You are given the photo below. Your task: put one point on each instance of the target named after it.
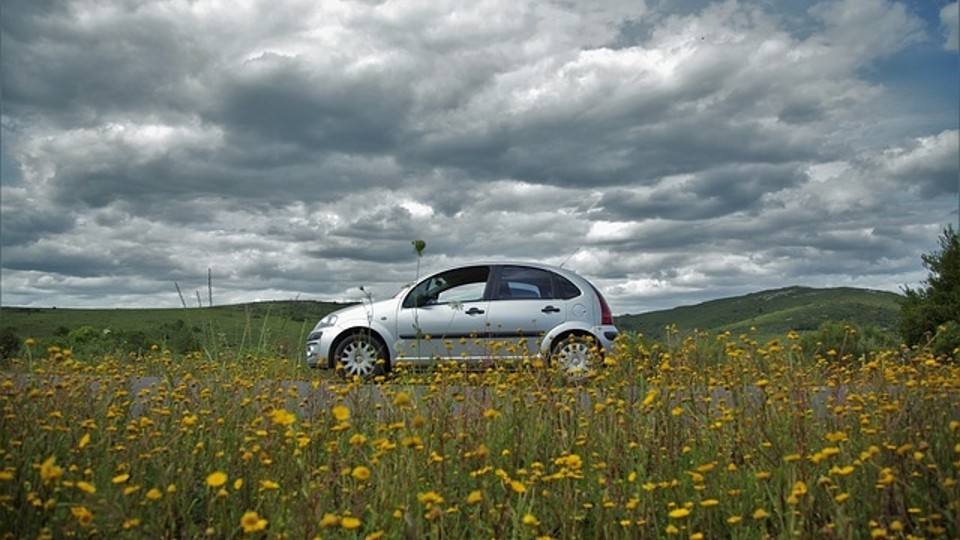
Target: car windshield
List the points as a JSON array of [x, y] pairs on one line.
[[461, 285]]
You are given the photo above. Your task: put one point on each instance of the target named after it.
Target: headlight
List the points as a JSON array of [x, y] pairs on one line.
[[329, 320]]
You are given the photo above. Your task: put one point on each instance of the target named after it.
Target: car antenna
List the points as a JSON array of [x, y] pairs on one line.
[[571, 255]]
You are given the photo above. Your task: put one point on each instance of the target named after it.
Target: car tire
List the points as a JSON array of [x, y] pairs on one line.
[[575, 353], [360, 354]]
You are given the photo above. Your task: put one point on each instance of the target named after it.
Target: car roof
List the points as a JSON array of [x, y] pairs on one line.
[[543, 266]]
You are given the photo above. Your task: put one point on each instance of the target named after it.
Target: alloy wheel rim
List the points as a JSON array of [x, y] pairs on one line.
[[359, 358], [575, 357]]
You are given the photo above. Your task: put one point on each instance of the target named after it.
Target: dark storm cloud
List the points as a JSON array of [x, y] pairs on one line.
[[278, 99], [73, 67], [709, 194]]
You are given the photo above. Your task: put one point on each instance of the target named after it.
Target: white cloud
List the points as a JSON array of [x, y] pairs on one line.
[[950, 21]]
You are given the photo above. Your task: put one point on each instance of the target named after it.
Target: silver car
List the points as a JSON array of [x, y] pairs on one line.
[[476, 313]]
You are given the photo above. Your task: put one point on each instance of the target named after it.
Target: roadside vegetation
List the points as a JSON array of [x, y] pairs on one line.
[[699, 437]]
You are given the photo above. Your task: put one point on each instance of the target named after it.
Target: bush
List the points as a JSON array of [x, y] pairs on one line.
[[9, 342], [847, 340], [937, 303], [946, 341]]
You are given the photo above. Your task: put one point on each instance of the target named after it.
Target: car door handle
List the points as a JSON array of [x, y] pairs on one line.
[[475, 311], [550, 309]]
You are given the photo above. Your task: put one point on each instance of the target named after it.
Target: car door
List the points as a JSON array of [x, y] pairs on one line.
[[444, 316], [525, 302]]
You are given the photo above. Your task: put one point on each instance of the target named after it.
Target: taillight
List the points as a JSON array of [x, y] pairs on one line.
[[606, 316]]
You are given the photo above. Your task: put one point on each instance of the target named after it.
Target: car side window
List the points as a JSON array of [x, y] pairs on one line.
[[565, 289], [518, 282], [460, 285]]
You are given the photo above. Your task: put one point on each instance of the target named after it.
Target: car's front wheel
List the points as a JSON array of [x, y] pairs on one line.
[[575, 353], [360, 354]]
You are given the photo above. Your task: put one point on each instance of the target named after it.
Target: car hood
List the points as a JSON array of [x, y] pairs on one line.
[[366, 311]]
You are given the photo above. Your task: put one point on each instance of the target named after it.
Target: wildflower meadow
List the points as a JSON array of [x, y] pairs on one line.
[[706, 436]]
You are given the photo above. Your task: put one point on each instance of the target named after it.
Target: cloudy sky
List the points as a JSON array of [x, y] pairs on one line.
[[673, 151]]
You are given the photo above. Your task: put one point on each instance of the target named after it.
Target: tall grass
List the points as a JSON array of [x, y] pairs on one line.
[[700, 437]]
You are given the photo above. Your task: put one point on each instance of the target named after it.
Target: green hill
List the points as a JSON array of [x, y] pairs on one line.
[[774, 312], [279, 326]]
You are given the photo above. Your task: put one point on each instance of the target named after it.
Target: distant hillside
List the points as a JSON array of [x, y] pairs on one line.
[[774, 312], [279, 324]]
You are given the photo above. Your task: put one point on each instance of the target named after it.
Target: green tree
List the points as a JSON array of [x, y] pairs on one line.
[[935, 306]]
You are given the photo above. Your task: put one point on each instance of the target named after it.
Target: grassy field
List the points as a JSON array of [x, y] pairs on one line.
[[710, 436], [278, 327]]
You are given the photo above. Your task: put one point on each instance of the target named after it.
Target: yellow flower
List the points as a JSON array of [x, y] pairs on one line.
[[217, 479], [475, 497], [709, 503], [760, 513], [283, 417], [237, 484], [84, 516], [430, 498], [799, 489], [531, 520], [85, 440], [154, 494], [517, 486], [49, 471], [842, 471], [86, 487], [341, 413], [350, 523], [679, 513], [268, 485], [572, 461], [130, 523], [120, 478], [376, 535], [357, 439], [650, 397], [361, 473], [837, 436], [733, 520], [491, 414], [252, 522], [329, 520], [402, 399]]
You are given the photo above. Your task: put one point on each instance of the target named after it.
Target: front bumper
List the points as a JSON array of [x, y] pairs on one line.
[[314, 355]]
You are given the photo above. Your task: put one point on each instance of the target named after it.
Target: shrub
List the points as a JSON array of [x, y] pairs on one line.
[[936, 303], [9, 342], [946, 341], [843, 339]]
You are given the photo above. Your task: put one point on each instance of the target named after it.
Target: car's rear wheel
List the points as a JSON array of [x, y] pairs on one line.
[[360, 354], [575, 353]]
